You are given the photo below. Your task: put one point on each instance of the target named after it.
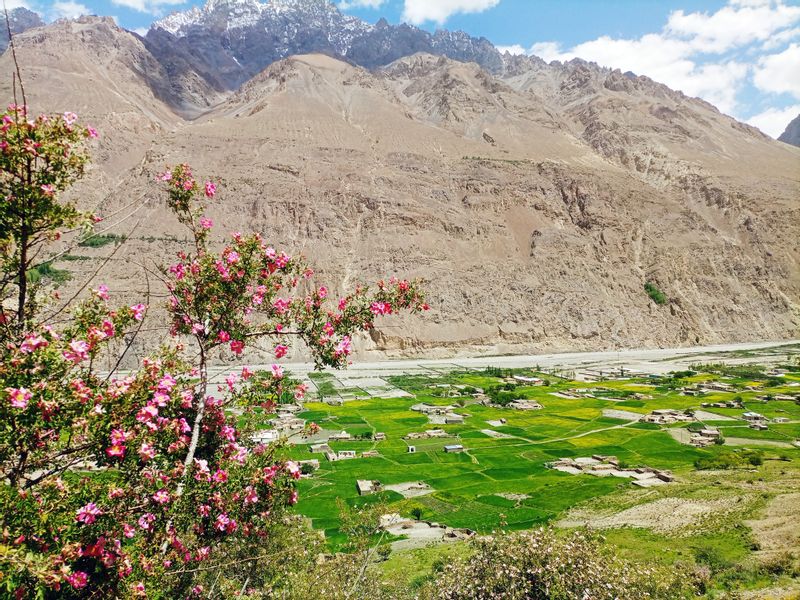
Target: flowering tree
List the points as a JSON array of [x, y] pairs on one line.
[[131, 485]]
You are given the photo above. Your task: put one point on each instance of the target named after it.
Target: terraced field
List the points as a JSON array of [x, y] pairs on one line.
[[472, 489]]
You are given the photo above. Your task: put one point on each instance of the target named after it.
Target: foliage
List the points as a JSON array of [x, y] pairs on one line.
[[47, 270], [656, 295], [101, 239], [540, 564], [141, 485], [39, 158], [730, 460]]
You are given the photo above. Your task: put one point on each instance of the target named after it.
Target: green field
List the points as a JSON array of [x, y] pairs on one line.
[[466, 485]]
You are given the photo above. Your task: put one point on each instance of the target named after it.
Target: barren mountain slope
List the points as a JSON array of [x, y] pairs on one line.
[[531, 234]]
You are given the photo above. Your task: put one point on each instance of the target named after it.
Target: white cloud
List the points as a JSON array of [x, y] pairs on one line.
[[153, 7], [12, 4], [348, 4], [438, 11], [68, 9], [142, 31], [732, 26], [780, 72], [515, 49], [705, 55], [773, 121]]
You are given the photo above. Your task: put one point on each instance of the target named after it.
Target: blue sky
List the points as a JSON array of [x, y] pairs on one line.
[[743, 56]]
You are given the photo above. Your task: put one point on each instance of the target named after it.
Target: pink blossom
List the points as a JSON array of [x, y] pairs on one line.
[[78, 579], [116, 451], [147, 413], [167, 382], [48, 189], [222, 522], [293, 469], [32, 343], [161, 398], [211, 189], [147, 451], [128, 530], [300, 391], [380, 308], [91, 132], [119, 436], [223, 336], [19, 397], [102, 292], [78, 351], [108, 328], [277, 371], [204, 510], [280, 305], [250, 495], [322, 292], [198, 328], [139, 589], [206, 223], [232, 257], [247, 373], [281, 350], [232, 380], [88, 514], [342, 303], [146, 521], [138, 311], [221, 476], [228, 432], [165, 176], [237, 346], [344, 347], [161, 496], [293, 498]]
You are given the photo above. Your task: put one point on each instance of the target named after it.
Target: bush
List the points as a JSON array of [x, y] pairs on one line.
[[656, 295], [541, 564]]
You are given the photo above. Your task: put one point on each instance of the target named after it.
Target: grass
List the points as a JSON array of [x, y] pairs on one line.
[[102, 239], [48, 271]]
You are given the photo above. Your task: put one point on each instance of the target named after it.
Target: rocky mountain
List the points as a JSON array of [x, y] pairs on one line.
[[791, 134], [229, 41], [536, 200], [19, 19]]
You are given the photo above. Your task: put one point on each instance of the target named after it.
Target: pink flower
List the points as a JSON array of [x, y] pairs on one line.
[[223, 522], [232, 257], [342, 303], [146, 521], [77, 579], [32, 343], [147, 413], [198, 328], [277, 371], [139, 589], [380, 308], [211, 189], [138, 311], [167, 382], [108, 328], [161, 496], [323, 292], [88, 514], [293, 469], [247, 373], [102, 292], [232, 380], [223, 336], [70, 118], [300, 391], [147, 451], [237, 346], [204, 510], [206, 223], [165, 176], [280, 305], [91, 132], [78, 351], [281, 350], [344, 347], [293, 498], [48, 190], [221, 476], [116, 451], [19, 397], [228, 432], [250, 495], [128, 530], [119, 436]]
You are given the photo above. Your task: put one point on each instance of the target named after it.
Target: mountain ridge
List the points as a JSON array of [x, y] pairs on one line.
[[537, 203]]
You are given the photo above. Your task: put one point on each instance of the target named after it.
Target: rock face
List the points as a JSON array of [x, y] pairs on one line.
[[229, 41], [20, 19], [792, 133], [536, 200]]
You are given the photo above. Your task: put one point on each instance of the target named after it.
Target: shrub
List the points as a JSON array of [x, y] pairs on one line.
[[656, 295], [541, 564], [101, 239]]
